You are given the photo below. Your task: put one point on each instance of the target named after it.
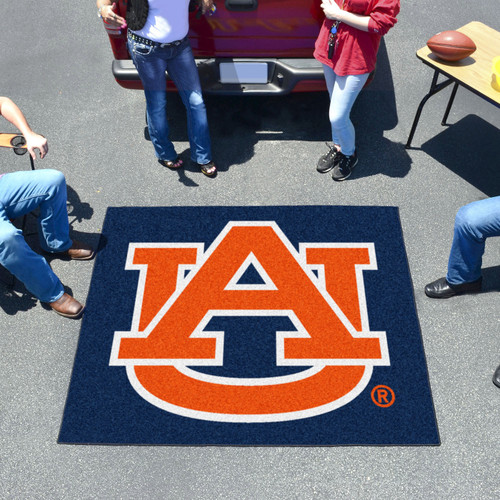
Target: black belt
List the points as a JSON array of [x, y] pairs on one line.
[[147, 41]]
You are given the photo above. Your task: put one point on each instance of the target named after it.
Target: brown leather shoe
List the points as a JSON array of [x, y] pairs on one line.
[[67, 306], [79, 251]]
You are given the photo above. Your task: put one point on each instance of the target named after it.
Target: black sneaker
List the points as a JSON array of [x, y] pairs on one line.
[[343, 169], [328, 161]]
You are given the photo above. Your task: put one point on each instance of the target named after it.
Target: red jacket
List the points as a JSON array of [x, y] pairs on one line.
[[356, 50]]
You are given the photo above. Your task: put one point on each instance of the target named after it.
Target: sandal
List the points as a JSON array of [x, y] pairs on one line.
[[172, 165], [209, 169]]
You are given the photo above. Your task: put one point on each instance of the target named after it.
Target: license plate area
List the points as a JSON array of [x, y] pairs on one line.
[[243, 72]]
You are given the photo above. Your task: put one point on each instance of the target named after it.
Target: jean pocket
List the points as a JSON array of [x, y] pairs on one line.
[[142, 49]]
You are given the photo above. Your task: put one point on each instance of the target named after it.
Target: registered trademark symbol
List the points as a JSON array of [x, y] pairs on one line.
[[383, 396]]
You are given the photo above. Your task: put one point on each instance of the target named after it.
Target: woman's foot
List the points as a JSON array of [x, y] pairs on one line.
[[172, 164], [209, 169], [328, 160], [343, 169]]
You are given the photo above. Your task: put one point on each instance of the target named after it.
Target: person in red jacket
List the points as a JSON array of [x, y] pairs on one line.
[[347, 47]]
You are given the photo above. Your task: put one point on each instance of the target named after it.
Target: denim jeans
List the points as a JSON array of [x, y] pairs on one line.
[[20, 193], [151, 63], [343, 92], [473, 224]]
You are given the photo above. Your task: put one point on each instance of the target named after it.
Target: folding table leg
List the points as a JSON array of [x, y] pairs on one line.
[[450, 104], [435, 88]]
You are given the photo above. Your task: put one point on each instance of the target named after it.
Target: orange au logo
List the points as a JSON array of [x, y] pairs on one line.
[[319, 288]]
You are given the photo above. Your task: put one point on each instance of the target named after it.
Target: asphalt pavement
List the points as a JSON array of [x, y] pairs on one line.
[[55, 63]]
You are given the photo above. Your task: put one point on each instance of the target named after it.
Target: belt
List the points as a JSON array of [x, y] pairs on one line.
[[147, 41]]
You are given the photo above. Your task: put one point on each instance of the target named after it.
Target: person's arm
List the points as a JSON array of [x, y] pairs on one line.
[[334, 12], [14, 115], [108, 14], [206, 5], [381, 19]]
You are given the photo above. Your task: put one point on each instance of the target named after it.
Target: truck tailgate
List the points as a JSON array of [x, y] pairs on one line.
[[245, 47], [258, 28]]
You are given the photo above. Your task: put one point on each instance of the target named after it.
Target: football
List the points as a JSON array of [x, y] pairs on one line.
[[451, 45]]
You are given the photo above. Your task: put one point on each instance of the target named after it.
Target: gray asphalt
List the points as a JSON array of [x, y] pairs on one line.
[[55, 63]]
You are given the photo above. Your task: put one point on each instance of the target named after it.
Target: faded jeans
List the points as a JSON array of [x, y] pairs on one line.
[[473, 224], [343, 92], [21, 193]]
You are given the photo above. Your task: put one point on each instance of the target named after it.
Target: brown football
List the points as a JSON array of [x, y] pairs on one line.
[[451, 45]]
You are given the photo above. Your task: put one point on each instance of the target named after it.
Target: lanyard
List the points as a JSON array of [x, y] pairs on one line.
[[332, 42]]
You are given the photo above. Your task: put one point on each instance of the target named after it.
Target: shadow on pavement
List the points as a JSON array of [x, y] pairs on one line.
[[14, 300], [78, 210], [373, 113], [469, 148], [238, 123], [491, 279]]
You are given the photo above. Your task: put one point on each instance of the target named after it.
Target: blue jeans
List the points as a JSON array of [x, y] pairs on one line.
[[343, 92], [151, 63], [20, 193], [473, 224]]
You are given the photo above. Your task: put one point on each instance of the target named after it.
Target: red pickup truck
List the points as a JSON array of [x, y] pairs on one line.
[[247, 47]]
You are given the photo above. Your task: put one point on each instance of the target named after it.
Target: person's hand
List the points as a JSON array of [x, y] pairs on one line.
[[36, 141], [110, 17], [332, 10], [206, 5]]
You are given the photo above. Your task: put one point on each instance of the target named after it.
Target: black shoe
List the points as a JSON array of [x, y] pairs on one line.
[[441, 289], [328, 161], [344, 167], [496, 377]]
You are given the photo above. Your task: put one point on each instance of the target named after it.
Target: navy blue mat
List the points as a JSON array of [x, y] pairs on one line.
[[251, 326]]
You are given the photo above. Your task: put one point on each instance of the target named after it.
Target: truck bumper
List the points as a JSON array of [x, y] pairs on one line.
[[283, 76]]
